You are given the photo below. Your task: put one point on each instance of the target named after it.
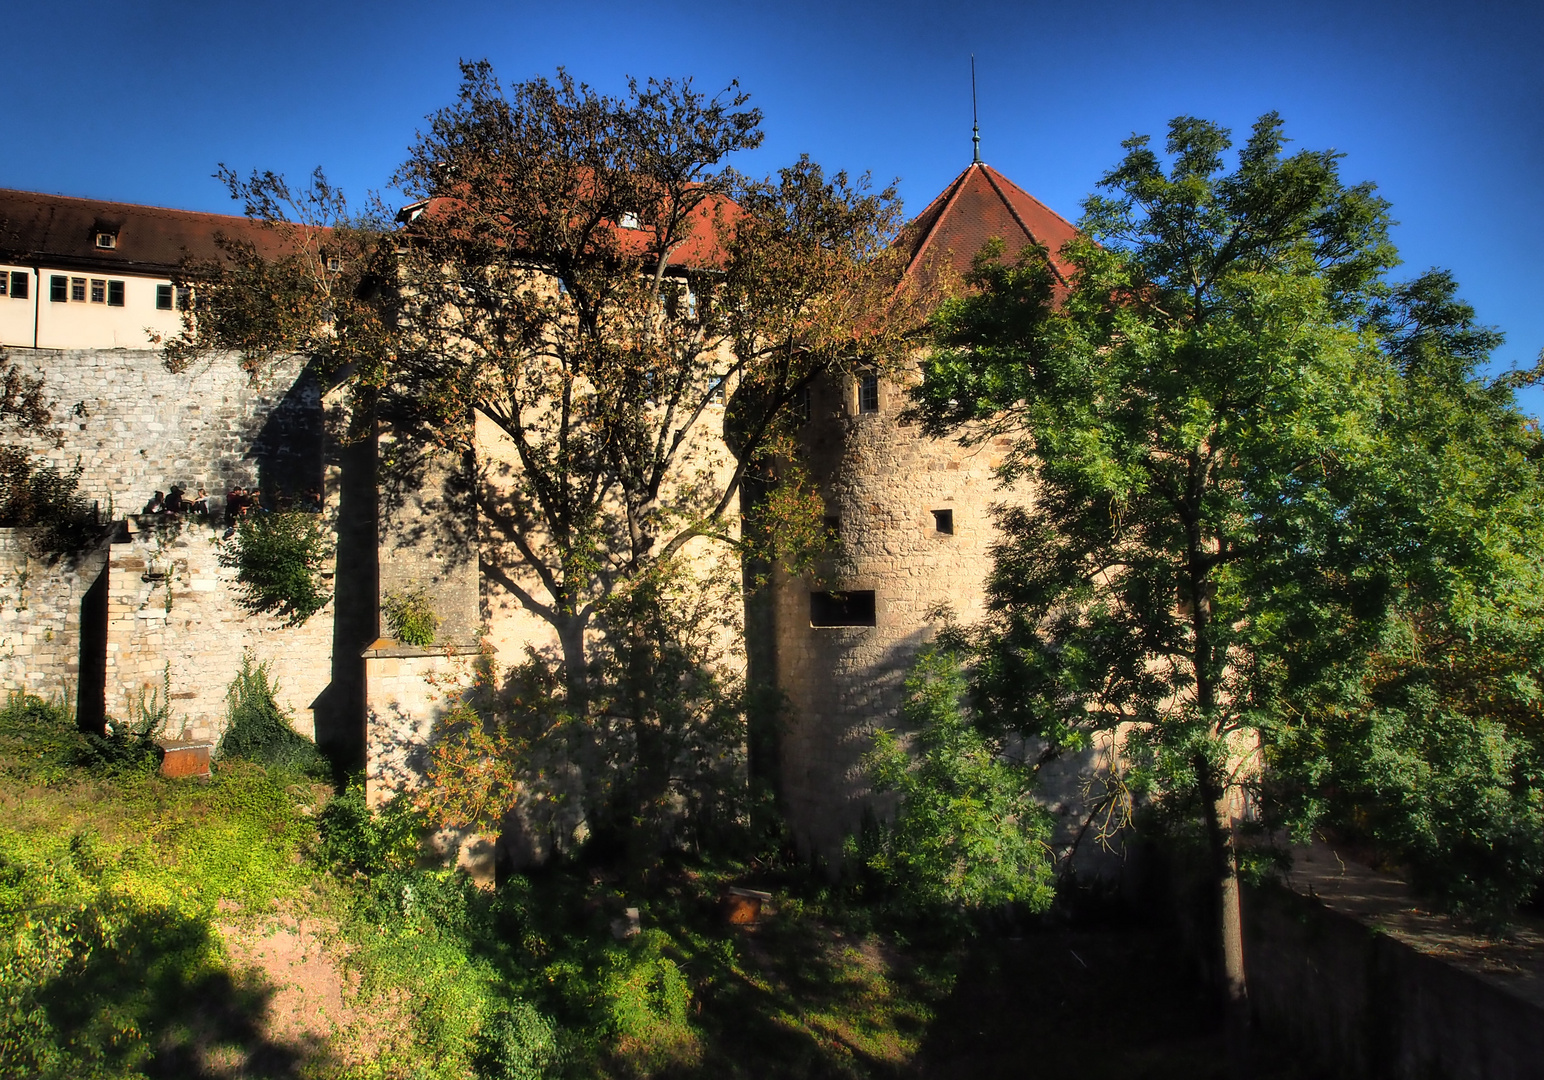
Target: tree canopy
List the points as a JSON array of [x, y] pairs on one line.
[[1282, 532]]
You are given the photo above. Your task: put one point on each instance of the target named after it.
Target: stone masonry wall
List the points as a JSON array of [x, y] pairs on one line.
[[136, 428], [187, 629], [40, 616], [882, 482]]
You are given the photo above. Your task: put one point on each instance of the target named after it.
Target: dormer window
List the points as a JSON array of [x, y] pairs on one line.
[[628, 220], [334, 264], [107, 240]]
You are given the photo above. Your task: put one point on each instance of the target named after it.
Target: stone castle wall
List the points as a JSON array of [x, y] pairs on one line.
[[882, 481], [136, 428], [188, 632]]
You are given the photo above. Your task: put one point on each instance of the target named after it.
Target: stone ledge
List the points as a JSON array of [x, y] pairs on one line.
[[387, 648]]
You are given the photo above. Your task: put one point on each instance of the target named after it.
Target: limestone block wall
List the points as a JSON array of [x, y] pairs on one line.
[[187, 628], [882, 481], [40, 616], [407, 691], [136, 428]]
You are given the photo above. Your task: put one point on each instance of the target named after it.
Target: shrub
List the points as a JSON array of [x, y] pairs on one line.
[[515, 1043], [41, 498], [278, 559], [410, 616], [966, 831], [357, 839], [258, 730]]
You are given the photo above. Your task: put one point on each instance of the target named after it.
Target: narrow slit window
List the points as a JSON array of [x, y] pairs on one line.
[[868, 393], [943, 522], [802, 405], [854, 607], [18, 286]]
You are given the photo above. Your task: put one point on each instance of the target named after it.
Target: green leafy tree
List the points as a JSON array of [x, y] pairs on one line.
[[1238, 503], [580, 281], [279, 559], [966, 831]]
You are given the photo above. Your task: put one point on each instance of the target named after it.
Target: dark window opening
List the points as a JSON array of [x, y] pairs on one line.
[[833, 525], [868, 393], [163, 297], [943, 521], [19, 285], [851, 608], [802, 405], [115, 294], [58, 289]]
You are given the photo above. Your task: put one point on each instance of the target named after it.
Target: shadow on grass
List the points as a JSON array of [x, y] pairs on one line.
[[132, 988]]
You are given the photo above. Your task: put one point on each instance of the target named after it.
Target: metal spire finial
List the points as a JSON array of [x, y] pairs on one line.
[[975, 125]]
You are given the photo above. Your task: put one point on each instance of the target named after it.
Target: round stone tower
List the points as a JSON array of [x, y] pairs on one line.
[[914, 519]]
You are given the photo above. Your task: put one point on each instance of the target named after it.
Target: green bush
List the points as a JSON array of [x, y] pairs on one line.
[[40, 497], [410, 617], [515, 1043], [966, 832], [370, 843], [258, 730], [278, 559]]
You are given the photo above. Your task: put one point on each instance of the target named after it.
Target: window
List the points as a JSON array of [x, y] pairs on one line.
[[98, 291], [628, 220], [943, 522], [78, 290], [58, 289], [4, 279], [115, 294], [833, 524], [107, 240], [868, 393], [163, 297], [851, 608], [802, 405], [18, 285], [184, 297], [334, 263], [716, 390]]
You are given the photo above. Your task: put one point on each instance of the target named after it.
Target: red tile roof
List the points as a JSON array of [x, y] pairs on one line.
[[980, 204], [57, 230]]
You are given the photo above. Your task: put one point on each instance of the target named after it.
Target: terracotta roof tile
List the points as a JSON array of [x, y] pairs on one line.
[[61, 231], [980, 204]]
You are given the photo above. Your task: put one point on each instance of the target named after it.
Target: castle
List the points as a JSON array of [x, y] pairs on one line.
[[85, 286]]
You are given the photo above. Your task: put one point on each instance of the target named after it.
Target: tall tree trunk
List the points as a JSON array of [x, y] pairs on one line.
[[1220, 814]]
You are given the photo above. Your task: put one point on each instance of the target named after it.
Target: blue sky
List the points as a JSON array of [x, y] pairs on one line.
[[1439, 104]]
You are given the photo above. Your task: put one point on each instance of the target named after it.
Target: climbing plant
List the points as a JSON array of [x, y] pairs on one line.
[[279, 559]]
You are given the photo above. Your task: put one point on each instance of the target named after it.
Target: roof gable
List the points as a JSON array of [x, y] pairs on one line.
[[980, 204]]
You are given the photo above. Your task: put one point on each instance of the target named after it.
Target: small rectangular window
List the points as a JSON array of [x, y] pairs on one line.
[[802, 405], [850, 608], [163, 297], [868, 393], [98, 291], [106, 240], [4, 281], [58, 289], [78, 290], [115, 294], [943, 522], [18, 285], [184, 297], [716, 390]]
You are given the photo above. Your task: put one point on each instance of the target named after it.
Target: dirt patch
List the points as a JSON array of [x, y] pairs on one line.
[[309, 987]]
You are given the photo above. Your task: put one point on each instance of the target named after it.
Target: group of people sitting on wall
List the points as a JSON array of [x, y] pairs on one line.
[[176, 501], [238, 502]]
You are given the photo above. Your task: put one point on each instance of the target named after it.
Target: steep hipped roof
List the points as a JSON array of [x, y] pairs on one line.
[[61, 231], [981, 204]]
